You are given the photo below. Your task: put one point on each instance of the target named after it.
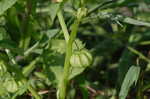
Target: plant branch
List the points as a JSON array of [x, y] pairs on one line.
[[63, 25], [65, 79]]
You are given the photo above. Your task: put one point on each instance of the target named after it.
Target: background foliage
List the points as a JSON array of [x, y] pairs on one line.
[[32, 49]]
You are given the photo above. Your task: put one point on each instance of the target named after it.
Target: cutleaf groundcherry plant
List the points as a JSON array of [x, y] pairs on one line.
[[70, 59]]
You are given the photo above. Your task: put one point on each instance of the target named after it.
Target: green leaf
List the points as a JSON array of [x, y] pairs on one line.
[[75, 72], [29, 68], [3, 68], [6, 4], [48, 35], [125, 62], [57, 71], [58, 45], [8, 44], [130, 79], [54, 7], [135, 37], [136, 22], [3, 34], [51, 33], [43, 76], [22, 89]]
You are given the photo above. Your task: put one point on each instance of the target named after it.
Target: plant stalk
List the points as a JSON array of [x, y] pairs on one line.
[[65, 79], [63, 25]]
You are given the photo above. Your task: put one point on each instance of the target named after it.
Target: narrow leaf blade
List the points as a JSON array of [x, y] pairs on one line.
[[130, 78]]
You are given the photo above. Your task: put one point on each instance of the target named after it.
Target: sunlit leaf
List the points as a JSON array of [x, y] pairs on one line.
[[75, 72], [130, 79], [21, 89], [136, 22], [6, 4], [53, 10]]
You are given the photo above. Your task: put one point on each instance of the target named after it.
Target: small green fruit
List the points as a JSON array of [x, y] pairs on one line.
[[81, 58], [11, 86]]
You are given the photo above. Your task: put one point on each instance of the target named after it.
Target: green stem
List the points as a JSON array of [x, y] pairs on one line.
[[33, 92], [63, 25], [65, 79], [28, 51], [139, 54]]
